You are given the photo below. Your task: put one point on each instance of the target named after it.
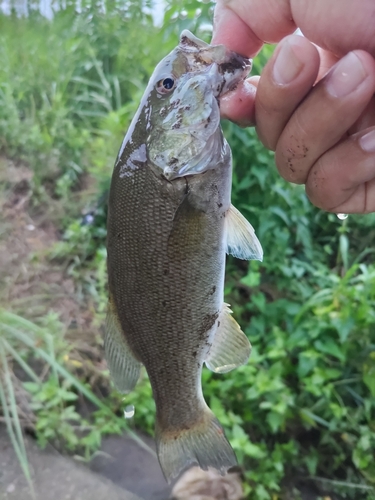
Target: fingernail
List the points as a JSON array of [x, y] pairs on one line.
[[367, 142], [287, 65], [346, 76]]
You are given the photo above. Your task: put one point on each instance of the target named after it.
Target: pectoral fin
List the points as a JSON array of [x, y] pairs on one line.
[[230, 348], [241, 239], [123, 366]]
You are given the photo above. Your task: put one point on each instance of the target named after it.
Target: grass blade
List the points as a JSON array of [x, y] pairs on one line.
[[29, 341], [12, 421]]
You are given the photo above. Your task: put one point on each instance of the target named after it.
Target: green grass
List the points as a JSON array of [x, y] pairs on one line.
[[10, 412], [304, 406], [54, 391]]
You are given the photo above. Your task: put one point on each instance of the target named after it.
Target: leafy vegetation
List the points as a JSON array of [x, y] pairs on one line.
[[304, 406]]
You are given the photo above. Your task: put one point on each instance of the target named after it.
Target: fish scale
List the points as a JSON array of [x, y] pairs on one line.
[[170, 223]]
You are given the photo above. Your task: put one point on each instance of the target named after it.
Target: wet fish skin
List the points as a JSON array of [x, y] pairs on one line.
[[168, 233]]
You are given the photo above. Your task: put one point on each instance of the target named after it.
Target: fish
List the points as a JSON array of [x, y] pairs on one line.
[[170, 224]]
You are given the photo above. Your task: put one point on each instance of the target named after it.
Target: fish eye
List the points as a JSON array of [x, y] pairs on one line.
[[165, 85], [168, 83]]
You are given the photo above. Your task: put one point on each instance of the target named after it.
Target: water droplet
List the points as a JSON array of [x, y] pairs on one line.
[[88, 219], [11, 488], [342, 216], [129, 411]]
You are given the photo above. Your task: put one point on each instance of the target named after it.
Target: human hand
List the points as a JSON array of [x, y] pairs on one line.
[[320, 125]]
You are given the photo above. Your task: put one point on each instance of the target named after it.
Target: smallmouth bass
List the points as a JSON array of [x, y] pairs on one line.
[[170, 224]]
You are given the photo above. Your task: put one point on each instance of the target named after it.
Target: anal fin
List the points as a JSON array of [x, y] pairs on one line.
[[241, 239], [123, 366], [230, 347]]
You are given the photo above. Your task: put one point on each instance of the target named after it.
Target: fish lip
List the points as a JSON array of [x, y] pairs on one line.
[[231, 66], [233, 70], [235, 63], [230, 73]]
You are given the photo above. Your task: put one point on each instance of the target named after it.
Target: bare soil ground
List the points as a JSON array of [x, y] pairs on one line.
[[28, 280]]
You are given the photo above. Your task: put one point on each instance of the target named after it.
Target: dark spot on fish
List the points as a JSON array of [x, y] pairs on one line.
[[195, 354], [164, 303], [187, 107], [199, 60], [186, 41], [166, 272], [233, 86], [187, 189], [176, 124], [219, 205], [213, 290], [208, 119], [207, 324], [119, 235], [235, 63], [221, 86], [172, 161], [218, 323]]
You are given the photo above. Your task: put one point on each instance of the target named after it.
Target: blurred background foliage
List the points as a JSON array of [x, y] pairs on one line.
[[303, 408]]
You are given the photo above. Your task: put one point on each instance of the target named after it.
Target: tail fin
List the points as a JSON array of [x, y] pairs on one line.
[[204, 444]]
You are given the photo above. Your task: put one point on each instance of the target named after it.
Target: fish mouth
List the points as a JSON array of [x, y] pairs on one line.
[[232, 68], [233, 71]]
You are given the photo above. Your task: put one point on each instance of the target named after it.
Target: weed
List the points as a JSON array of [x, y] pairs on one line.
[[54, 392]]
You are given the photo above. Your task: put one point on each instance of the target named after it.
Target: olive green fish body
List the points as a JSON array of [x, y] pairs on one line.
[[167, 282], [170, 223]]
